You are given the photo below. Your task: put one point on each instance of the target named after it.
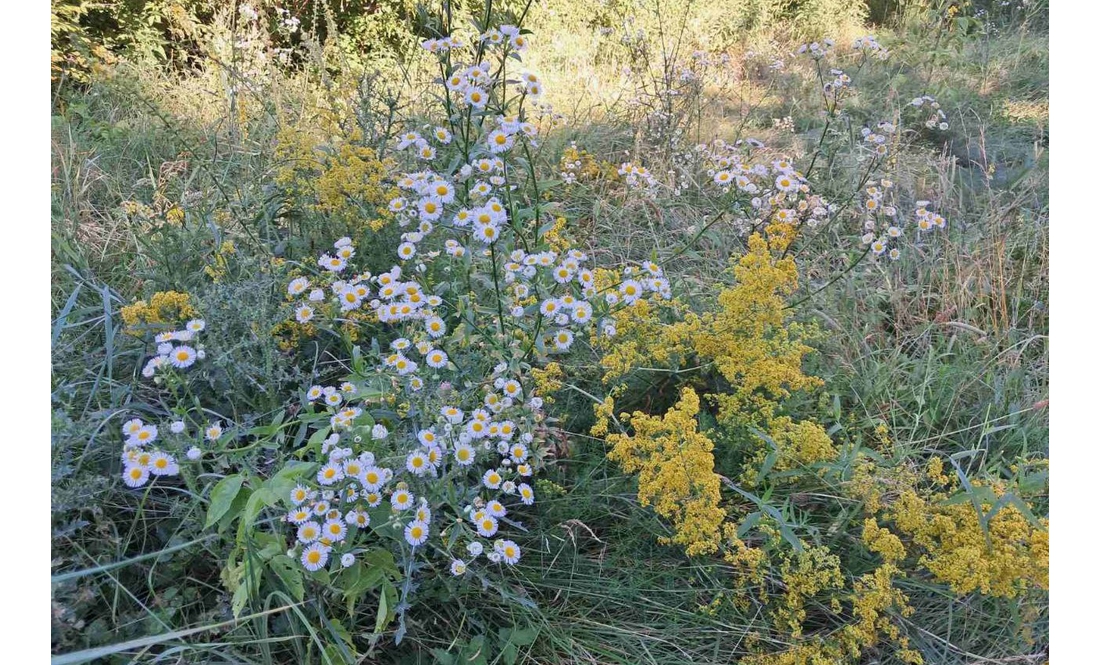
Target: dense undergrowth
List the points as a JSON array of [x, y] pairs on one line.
[[750, 303]]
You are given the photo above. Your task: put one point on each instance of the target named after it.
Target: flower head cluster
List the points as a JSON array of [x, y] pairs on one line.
[[870, 46], [176, 349], [937, 118], [638, 177], [141, 460], [880, 212], [357, 496], [817, 50]]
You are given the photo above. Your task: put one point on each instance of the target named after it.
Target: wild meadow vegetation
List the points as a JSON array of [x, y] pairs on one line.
[[624, 331]]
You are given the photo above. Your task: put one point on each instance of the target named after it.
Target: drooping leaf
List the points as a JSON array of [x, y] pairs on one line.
[[221, 498]]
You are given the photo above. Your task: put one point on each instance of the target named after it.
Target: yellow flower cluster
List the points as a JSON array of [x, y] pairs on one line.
[[805, 574], [578, 165], [163, 308], [750, 337], [346, 180], [752, 343], [641, 338], [555, 238], [548, 380], [220, 267], [675, 467], [1004, 559], [351, 178], [865, 609], [798, 444]]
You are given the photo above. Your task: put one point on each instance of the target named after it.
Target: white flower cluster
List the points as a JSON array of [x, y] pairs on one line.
[[870, 46], [817, 50], [937, 119], [879, 212], [775, 190], [175, 349], [141, 460]]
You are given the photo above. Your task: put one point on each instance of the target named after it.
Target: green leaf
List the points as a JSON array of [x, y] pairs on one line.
[[442, 657], [524, 636], [290, 574], [383, 616], [282, 482], [748, 523], [235, 508], [260, 499], [383, 560], [221, 498]]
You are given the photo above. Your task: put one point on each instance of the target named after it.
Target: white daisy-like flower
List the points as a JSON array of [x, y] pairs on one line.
[[451, 414], [582, 312], [464, 454], [308, 532], [299, 494], [379, 432], [372, 478], [508, 550], [416, 533], [492, 479], [304, 313], [436, 359], [476, 97], [458, 567], [631, 290], [487, 526], [182, 356], [332, 263], [299, 515], [563, 339], [499, 141], [334, 529], [486, 233], [417, 463], [135, 475], [315, 557], [145, 434], [496, 508], [474, 549], [214, 432], [297, 286], [163, 464], [526, 494], [131, 426], [435, 326], [347, 560], [330, 474], [401, 500]]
